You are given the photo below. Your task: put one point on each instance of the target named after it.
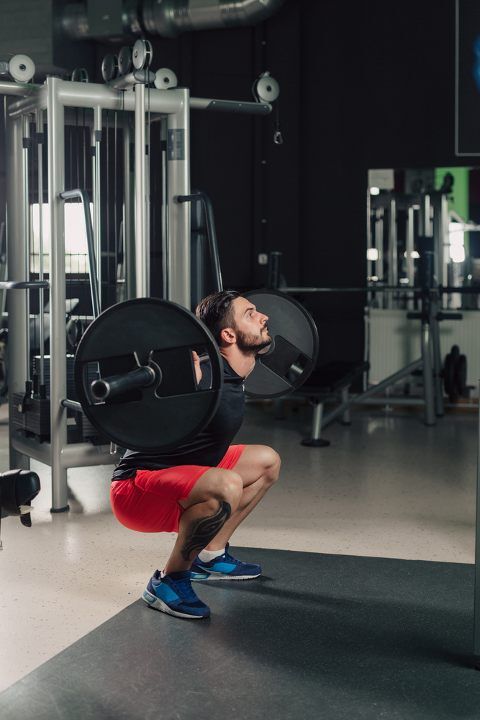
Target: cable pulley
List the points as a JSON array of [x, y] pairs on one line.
[[165, 79], [125, 60], [21, 68], [109, 67], [142, 54]]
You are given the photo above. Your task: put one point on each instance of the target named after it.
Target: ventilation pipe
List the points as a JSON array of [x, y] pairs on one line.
[[168, 18]]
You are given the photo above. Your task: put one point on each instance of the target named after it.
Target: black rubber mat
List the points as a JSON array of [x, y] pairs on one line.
[[318, 637]]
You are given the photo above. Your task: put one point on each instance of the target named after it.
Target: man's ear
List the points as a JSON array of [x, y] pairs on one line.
[[228, 336]]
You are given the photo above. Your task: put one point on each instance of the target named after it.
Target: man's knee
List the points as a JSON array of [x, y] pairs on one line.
[[272, 463]]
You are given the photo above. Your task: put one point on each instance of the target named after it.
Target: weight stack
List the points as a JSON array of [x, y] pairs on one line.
[[35, 418], [71, 394]]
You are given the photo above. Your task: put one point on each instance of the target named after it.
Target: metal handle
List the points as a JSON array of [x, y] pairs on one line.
[[231, 106], [211, 232], [23, 284], [82, 195]]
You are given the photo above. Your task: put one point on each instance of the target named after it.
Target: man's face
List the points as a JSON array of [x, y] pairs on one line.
[[250, 326]]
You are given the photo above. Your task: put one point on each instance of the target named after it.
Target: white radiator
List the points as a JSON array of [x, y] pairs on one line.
[[393, 341]]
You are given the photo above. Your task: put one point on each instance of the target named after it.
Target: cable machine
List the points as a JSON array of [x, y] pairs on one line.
[[138, 98]]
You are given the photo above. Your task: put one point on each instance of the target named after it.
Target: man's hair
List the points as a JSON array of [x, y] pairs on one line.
[[216, 311]]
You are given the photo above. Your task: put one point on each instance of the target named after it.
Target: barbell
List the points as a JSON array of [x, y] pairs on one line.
[[135, 374]]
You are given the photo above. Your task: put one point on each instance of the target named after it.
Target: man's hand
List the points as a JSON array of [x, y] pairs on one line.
[[196, 364]]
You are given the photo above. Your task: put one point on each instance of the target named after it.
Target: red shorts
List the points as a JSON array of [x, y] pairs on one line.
[[149, 502]]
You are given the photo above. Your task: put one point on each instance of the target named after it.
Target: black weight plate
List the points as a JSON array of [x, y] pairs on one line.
[[163, 415], [293, 355]]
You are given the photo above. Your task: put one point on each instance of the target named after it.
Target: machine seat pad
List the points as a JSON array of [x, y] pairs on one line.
[[332, 377]]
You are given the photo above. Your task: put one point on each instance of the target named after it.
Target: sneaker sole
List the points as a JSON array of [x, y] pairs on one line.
[[223, 576], [154, 602]]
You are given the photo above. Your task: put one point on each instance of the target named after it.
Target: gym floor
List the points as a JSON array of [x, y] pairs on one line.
[[387, 487]]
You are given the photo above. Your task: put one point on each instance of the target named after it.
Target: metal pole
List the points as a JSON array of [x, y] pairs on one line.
[[409, 248], [58, 368], [378, 234], [128, 219], [428, 394], [476, 599], [96, 191], [142, 240], [178, 144], [41, 298], [392, 248], [17, 302], [425, 219], [27, 229], [165, 261], [436, 360]]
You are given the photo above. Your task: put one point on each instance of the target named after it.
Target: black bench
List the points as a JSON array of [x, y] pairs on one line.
[[330, 382]]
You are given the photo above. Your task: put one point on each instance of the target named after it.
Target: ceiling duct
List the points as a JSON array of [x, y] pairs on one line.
[[168, 18]]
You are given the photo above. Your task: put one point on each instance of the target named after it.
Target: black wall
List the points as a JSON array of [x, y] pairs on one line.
[[363, 85]]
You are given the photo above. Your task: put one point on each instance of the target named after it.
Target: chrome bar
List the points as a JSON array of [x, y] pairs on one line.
[[17, 317], [72, 404], [41, 296], [230, 106], [58, 370], [92, 95], [128, 215], [97, 196], [13, 88], [428, 391], [392, 247], [178, 153], [24, 284], [142, 241], [27, 229], [89, 95], [165, 261]]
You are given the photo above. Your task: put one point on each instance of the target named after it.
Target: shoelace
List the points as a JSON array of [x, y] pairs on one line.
[[184, 589], [231, 559]]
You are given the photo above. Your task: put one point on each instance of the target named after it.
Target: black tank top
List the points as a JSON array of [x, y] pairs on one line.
[[208, 447]]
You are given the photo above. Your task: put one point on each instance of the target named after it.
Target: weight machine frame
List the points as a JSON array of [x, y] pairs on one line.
[[49, 104]]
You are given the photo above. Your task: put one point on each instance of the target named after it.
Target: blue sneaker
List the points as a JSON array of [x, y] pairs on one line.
[[224, 567], [173, 594]]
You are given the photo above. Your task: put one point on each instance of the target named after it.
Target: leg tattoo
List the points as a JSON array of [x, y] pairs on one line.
[[204, 530]]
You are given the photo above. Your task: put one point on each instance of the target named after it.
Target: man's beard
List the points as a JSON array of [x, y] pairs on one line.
[[253, 344]]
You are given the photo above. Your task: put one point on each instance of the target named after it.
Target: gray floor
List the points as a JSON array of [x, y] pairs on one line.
[[318, 636], [387, 487]]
